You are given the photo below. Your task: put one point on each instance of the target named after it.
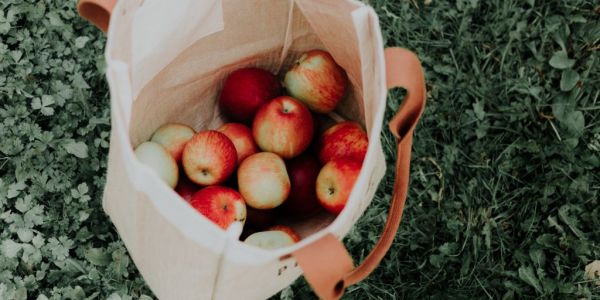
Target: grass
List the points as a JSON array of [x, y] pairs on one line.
[[504, 198]]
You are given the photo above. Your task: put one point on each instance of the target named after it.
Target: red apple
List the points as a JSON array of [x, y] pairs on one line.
[[317, 80], [295, 237], [283, 126], [173, 137], [242, 139], [220, 204], [159, 160], [260, 218], [335, 182], [345, 139], [209, 158], [303, 171], [263, 180], [273, 239], [185, 188], [245, 91]]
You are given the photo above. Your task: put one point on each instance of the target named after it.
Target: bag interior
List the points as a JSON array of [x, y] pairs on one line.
[[269, 34]]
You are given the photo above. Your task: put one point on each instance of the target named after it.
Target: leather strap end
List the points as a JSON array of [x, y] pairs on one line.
[[325, 263]]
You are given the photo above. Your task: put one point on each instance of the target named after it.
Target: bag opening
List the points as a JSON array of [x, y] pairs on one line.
[[186, 90]]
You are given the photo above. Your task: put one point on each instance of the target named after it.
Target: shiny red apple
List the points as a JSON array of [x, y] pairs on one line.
[[220, 204], [241, 136], [283, 126], [245, 91], [302, 201], [335, 182], [345, 139], [209, 158], [173, 137], [317, 80], [263, 180]]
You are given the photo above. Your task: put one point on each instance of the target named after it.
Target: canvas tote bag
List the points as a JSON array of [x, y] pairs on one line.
[[166, 61]]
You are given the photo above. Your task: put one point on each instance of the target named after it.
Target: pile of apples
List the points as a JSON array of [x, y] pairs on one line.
[[265, 163]]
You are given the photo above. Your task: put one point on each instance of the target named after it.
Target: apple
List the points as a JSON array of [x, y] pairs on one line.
[[245, 91], [272, 239], [242, 139], [209, 158], [159, 160], [295, 237], [302, 201], [283, 126], [263, 180], [173, 137], [335, 182], [317, 80], [345, 139], [260, 218], [185, 188], [220, 204]]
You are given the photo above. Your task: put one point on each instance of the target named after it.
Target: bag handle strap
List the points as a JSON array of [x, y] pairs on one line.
[[97, 12], [326, 263]]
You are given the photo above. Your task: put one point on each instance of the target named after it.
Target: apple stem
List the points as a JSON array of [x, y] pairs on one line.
[[331, 191]]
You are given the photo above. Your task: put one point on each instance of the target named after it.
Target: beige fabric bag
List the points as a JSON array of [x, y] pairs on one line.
[[166, 61]]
